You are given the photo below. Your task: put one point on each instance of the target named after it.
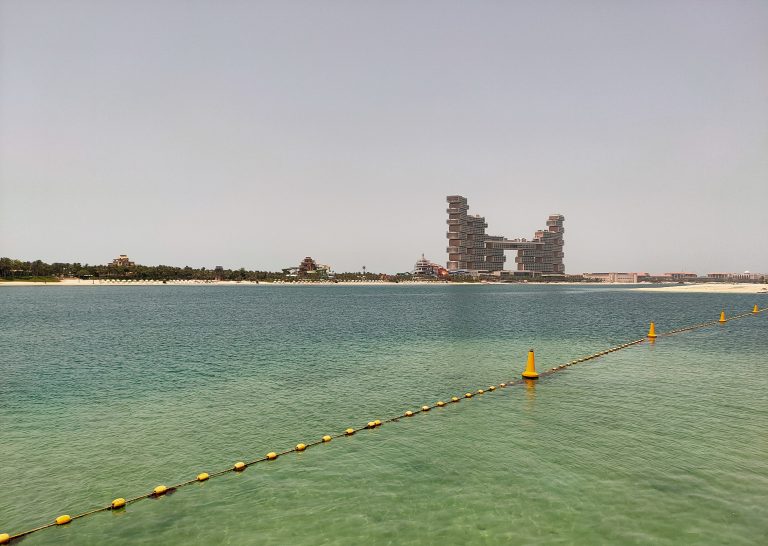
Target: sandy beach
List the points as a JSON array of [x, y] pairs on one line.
[[712, 288], [97, 282]]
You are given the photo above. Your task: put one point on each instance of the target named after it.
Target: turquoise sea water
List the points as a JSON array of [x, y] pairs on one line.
[[108, 391]]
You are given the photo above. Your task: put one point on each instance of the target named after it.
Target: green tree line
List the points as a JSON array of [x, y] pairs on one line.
[[11, 269]]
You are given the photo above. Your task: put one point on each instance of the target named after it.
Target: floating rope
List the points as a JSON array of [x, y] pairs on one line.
[[240, 466]]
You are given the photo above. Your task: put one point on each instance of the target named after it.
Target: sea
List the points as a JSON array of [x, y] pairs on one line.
[[109, 391]]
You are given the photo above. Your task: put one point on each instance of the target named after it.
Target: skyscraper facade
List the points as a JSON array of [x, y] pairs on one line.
[[471, 249]]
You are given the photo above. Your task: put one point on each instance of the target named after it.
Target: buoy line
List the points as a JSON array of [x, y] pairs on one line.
[[530, 374]]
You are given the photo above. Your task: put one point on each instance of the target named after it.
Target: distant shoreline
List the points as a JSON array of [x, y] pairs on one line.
[[709, 288]]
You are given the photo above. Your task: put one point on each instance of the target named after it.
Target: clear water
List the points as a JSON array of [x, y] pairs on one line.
[[109, 391]]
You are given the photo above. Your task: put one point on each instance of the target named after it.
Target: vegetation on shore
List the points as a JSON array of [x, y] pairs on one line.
[[18, 270], [30, 279], [38, 271]]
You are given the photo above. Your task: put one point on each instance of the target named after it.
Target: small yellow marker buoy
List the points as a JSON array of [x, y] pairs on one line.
[[722, 317], [468, 395], [409, 413], [377, 423], [327, 438], [455, 399], [652, 331], [349, 431], [491, 388], [502, 385], [159, 490], [370, 424], [424, 408], [480, 391], [530, 367], [301, 447], [271, 456], [5, 538], [440, 404], [239, 465], [62, 520], [755, 310], [118, 503], [202, 476]]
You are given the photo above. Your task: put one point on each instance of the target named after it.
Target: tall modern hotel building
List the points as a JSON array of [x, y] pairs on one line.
[[471, 249]]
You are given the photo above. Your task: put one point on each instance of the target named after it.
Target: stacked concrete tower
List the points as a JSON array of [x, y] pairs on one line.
[[471, 249], [467, 238]]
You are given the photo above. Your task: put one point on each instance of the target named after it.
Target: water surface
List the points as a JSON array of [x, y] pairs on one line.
[[109, 391]]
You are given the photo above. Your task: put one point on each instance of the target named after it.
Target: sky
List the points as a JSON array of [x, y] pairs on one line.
[[252, 134]]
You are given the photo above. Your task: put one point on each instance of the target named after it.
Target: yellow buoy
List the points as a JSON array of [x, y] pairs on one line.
[[502, 385], [159, 490], [349, 431], [468, 395], [271, 456], [370, 424], [530, 367], [722, 317], [755, 309], [440, 404], [301, 447], [491, 388], [327, 438], [202, 476], [61, 520], [377, 423], [239, 465], [409, 413], [424, 408], [5, 538], [455, 399], [118, 503], [652, 331]]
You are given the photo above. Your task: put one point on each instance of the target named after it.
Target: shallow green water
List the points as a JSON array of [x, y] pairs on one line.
[[109, 391]]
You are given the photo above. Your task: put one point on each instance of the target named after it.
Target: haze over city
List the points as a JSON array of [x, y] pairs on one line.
[[253, 134]]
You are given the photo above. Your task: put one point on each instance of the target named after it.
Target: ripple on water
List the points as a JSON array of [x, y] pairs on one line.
[[110, 392]]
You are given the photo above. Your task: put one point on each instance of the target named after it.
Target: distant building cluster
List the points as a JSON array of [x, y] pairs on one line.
[[676, 276], [425, 268], [738, 277], [309, 268], [472, 251], [122, 261]]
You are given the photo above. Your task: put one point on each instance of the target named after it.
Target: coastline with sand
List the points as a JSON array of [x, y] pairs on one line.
[[709, 288]]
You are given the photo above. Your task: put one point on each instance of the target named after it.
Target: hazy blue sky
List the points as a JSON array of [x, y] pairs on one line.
[[256, 133]]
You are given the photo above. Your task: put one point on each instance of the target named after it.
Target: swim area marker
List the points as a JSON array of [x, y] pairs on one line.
[[529, 374]]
